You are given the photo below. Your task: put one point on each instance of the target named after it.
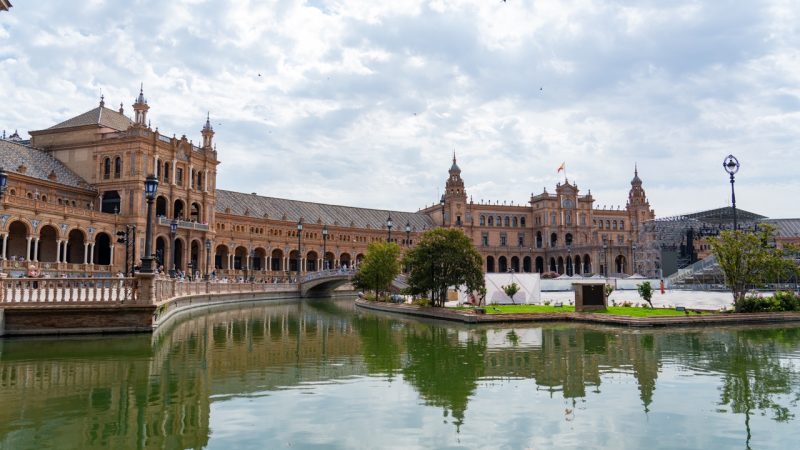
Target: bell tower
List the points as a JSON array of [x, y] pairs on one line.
[[454, 198], [140, 109], [207, 132], [636, 196]]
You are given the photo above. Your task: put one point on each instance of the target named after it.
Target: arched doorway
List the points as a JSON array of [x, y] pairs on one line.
[[161, 206], [587, 266], [578, 268], [102, 249], [490, 263], [17, 243], [568, 239], [538, 239], [515, 264], [553, 240], [221, 257], [177, 255], [194, 213], [293, 261], [259, 259], [178, 209], [277, 260], [75, 247], [526, 264], [194, 257], [48, 244], [161, 246], [621, 264], [344, 260], [502, 264], [240, 258], [359, 258], [560, 269], [553, 264], [311, 261], [329, 258], [539, 264]]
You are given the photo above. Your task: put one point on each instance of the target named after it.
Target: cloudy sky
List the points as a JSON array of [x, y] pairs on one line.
[[362, 102]]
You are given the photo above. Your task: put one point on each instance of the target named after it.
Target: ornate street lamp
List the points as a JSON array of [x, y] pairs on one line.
[[208, 256], [634, 257], [731, 165], [324, 247], [605, 258], [3, 182], [389, 225], [173, 230], [150, 187], [408, 233], [299, 247]]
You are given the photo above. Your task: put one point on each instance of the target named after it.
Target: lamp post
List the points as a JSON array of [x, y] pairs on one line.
[[731, 165], [389, 225], [605, 258], [324, 247], [150, 187], [441, 202], [173, 230], [3, 182], [208, 256], [299, 251], [634, 257], [408, 233]]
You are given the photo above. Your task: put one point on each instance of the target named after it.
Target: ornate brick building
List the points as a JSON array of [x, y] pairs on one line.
[[72, 187], [561, 232]]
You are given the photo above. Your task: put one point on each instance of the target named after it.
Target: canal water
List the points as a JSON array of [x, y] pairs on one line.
[[322, 375]]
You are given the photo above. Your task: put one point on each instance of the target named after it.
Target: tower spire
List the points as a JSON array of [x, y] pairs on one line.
[[140, 108], [207, 132]]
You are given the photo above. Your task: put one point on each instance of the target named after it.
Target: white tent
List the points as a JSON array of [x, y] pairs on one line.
[[529, 284]]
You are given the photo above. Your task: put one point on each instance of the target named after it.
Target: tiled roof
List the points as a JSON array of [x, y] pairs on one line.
[[38, 164], [276, 208], [101, 116], [785, 227]]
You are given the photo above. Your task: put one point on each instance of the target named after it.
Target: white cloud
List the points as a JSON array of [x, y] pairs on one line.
[[362, 103]]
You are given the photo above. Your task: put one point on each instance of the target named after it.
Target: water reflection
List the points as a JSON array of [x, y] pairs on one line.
[[158, 391]]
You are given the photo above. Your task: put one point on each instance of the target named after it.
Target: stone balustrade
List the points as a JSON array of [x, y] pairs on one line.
[[39, 292]]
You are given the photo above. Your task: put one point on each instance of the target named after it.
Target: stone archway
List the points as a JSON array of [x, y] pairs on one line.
[[48, 244], [177, 255], [311, 261], [502, 264], [161, 246], [75, 246], [277, 260], [344, 260], [515, 264], [102, 249], [221, 257], [490, 264], [539, 264], [17, 243]]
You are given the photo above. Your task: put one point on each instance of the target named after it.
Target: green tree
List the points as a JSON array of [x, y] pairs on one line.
[[380, 266], [511, 290], [646, 292], [748, 259], [443, 257]]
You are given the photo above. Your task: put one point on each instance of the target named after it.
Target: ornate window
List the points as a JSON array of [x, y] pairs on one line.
[[117, 167], [522, 221], [483, 220], [107, 168]]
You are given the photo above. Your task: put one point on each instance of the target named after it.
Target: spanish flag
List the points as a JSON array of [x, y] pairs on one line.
[[560, 168]]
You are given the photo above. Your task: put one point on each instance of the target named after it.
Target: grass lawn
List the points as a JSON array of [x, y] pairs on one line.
[[614, 310]]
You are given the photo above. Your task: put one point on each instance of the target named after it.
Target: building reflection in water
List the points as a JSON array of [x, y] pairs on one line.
[[156, 391]]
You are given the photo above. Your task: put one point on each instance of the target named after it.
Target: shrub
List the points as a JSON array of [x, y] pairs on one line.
[[422, 301], [546, 303], [788, 300], [756, 303]]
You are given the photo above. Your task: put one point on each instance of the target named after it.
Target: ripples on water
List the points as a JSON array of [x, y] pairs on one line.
[[319, 375]]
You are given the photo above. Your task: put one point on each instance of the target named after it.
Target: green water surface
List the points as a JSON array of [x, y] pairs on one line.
[[322, 375]]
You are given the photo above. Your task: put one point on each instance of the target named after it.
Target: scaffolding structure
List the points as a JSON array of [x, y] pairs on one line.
[[666, 245]]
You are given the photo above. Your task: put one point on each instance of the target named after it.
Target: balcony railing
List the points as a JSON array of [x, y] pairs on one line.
[[184, 224], [37, 292]]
